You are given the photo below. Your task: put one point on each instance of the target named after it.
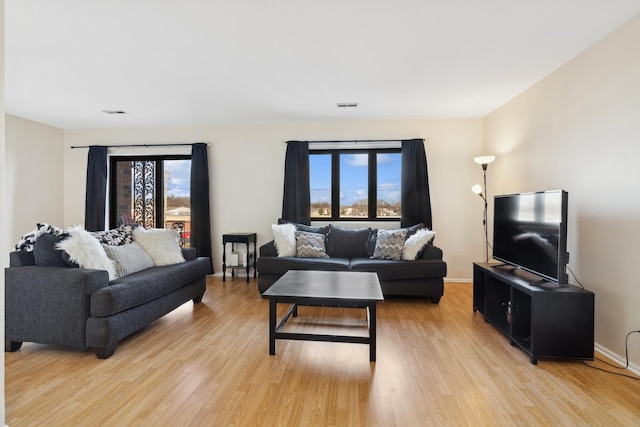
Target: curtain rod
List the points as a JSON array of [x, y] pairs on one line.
[[358, 140], [134, 145]]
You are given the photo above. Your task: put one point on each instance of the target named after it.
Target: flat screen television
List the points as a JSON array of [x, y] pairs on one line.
[[530, 233]]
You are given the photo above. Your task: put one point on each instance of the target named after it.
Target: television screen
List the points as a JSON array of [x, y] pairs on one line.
[[530, 232]]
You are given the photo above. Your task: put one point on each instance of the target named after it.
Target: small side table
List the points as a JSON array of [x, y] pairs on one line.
[[233, 238]]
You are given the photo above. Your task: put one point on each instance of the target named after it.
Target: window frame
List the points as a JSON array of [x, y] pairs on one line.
[[159, 182], [372, 183]]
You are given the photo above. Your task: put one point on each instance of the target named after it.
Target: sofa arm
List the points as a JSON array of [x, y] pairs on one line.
[[49, 305], [431, 252], [269, 249]]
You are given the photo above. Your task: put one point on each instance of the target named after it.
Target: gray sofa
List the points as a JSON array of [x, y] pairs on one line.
[[79, 307], [351, 250]]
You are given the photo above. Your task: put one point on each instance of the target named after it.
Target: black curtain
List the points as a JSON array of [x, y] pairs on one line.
[[96, 193], [200, 213], [296, 201], [415, 199]]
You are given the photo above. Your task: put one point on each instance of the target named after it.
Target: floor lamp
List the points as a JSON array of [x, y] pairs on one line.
[[482, 192]]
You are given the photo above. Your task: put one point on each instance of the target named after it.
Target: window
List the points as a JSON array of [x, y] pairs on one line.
[[153, 191], [355, 184]]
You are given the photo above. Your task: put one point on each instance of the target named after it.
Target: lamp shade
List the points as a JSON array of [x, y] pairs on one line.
[[484, 160], [477, 189]]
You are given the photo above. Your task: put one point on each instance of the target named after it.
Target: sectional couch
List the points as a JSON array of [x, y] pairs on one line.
[[356, 250]]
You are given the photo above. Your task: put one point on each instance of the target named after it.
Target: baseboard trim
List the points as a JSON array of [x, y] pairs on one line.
[[617, 358], [454, 280]]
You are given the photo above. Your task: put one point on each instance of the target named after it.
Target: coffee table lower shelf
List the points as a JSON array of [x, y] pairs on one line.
[[275, 328]]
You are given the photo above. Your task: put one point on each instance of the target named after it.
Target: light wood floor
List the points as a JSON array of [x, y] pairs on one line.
[[208, 365]]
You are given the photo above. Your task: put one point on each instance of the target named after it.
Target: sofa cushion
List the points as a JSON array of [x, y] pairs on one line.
[[280, 265], [308, 228], [284, 237], [189, 254], [310, 245], [389, 244], [129, 258], [45, 252], [21, 259], [269, 249], [161, 244], [400, 270], [346, 242], [146, 285], [414, 228]]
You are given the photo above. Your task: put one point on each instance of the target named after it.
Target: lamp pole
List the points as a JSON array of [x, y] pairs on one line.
[[482, 192], [484, 219]]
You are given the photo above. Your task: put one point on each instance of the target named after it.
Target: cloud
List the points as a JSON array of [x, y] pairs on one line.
[[357, 160], [389, 192], [179, 181], [384, 159]]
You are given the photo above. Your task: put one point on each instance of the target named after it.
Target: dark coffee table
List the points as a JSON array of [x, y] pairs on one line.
[[324, 288]]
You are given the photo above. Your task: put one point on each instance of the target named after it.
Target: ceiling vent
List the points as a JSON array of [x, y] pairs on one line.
[[114, 112], [347, 104]]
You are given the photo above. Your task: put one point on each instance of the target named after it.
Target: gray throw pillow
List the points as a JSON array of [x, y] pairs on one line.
[[129, 258], [45, 252], [347, 242]]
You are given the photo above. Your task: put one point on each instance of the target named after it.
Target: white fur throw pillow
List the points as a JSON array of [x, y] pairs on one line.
[[415, 243], [284, 236], [86, 251], [161, 244]]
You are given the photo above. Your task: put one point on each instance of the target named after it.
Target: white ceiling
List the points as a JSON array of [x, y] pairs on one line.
[[200, 62]]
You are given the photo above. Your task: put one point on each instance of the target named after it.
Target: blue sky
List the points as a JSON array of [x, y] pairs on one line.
[[179, 177], [353, 177]]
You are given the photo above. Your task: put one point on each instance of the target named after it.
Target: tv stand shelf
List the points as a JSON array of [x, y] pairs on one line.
[[542, 318]]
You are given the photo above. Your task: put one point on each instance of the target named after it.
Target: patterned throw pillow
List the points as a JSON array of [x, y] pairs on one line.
[[122, 235], [310, 245], [27, 241], [389, 244]]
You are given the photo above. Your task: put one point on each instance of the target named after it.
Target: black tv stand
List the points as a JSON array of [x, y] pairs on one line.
[[543, 283], [543, 319]]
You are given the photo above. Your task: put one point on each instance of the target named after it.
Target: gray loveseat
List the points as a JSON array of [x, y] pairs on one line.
[[351, 250], [79, 307]]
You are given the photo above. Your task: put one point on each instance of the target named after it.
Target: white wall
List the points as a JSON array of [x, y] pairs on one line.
[[34, 174], [247, 169], [4, 227], [578, 130]]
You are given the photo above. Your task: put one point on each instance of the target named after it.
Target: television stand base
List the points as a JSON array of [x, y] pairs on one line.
[[543, 319]]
